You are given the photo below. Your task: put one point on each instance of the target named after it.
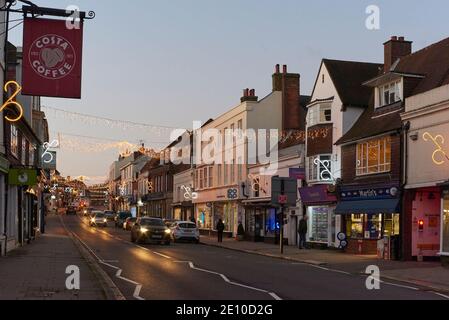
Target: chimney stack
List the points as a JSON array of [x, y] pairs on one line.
[[249, 95], [289, 85], [394, 49]]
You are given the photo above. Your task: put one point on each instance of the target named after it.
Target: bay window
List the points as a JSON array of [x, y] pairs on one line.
[[320, 168], [374, 156], [319, 114]]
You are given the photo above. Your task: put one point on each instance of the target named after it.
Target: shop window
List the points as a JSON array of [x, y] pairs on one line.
[[318, 218], [391, 224], [374, 156], [272, 226], [14, 140]]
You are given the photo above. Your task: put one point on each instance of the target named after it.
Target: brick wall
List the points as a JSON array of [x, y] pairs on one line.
[[320, 144]]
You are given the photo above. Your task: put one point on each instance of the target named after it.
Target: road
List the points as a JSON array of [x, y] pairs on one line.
[[198, 272]]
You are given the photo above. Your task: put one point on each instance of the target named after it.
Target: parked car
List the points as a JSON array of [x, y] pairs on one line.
[[121, 217], [98, 219], [185, 231], [71, 211], [150, 230], [110, 215], [129, 223], [169, 222]]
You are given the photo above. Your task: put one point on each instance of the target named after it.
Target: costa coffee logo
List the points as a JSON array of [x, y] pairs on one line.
[[52, 57]]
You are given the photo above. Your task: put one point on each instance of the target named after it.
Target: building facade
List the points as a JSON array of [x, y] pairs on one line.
[[338, 100]]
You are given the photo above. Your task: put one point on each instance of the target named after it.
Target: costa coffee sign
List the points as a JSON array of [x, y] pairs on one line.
[[52, 56]]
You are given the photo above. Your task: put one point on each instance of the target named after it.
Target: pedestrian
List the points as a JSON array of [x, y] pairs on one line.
[[302, 231], [220, 229]]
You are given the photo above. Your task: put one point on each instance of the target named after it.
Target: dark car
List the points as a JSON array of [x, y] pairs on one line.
[[71, 211], [150, 230], [121, 218], [110, 215]]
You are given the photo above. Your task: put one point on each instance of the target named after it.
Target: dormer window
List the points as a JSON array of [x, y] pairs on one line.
[[390, 93]]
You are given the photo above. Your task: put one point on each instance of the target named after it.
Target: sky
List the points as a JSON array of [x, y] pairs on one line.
[[169, 63]]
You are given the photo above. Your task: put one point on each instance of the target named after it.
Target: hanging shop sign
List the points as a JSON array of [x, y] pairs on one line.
[[52, 62], [22, 177]]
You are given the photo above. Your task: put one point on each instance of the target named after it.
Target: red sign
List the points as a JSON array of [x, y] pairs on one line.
[[52, 59], [283, 199]]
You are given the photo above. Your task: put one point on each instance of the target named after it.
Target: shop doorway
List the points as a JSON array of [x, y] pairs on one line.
[[258, 227]]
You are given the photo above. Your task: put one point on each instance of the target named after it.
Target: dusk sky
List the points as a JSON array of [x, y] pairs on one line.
[[169, 63]]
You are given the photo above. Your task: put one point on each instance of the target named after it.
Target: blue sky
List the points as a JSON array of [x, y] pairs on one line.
[[175, 61]]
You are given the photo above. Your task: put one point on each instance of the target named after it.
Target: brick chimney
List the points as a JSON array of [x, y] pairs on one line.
[[288, 84], [249, 95], [395, 48]]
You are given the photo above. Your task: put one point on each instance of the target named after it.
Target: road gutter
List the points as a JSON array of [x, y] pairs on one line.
[[110, 290]]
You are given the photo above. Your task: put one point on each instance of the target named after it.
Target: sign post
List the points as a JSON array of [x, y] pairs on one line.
[[284, 194]]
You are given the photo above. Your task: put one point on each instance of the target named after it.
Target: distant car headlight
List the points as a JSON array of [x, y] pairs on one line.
[[105, 220], [85, 211], [93, 220], [167, 231], [144, 230]]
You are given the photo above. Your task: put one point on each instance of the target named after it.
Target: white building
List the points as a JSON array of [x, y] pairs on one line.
[[220, 186], [338, 100]]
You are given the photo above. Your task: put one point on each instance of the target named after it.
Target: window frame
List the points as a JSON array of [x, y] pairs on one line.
[[316, 114], [313, 169], [384, 150]]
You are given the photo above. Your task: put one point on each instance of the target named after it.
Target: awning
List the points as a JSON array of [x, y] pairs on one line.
[[368, 207]]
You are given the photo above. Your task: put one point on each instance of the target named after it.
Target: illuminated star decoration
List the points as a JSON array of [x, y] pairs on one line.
[[11, 102], [438, 141], [326, 165]]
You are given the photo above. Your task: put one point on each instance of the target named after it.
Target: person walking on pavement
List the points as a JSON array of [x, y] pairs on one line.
[[220, 229], [302, 231]]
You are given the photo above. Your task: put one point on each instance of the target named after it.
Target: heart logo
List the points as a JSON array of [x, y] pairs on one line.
[[52, 57]]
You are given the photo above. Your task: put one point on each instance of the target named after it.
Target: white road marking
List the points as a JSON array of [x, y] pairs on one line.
[[192, 266], [399, 285], [441, 295], [162, 255]]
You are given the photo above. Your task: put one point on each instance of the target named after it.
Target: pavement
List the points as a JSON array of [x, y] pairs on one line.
[[38, 271], [426, 275]]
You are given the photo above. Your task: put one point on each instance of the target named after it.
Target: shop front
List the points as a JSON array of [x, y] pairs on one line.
[[323, 224], [371, 216], [183, 211]]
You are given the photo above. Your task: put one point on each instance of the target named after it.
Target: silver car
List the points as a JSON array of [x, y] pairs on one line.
[[98, 219]]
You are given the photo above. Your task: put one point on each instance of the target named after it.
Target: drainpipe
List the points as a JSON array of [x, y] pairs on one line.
[[405, 130]]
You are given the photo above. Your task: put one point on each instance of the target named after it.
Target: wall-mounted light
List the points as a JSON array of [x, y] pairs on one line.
[[414, 136]]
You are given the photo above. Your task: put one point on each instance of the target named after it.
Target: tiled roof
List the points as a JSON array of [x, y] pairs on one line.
[[348, 77], [432, 62]]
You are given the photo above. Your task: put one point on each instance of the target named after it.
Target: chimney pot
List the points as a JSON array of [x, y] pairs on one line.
[[401, 38], [278, 69], [394, 38], [285, 68], [252, 93]]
